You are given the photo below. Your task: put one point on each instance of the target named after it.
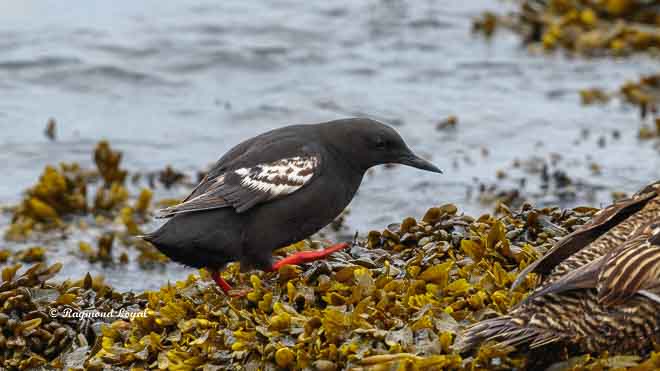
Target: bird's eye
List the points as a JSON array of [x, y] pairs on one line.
[[380, 143]]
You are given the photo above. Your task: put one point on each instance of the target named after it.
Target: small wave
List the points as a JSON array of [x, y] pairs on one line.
[[362, 71], [274, 108], [185, 112], [38, 62], [121, 74], [489, 65], [207, 29], [89, 32], [269, 50], [126, 51], [335, 12], [429, 23], [427, 74], [92, 78], [221, 59]]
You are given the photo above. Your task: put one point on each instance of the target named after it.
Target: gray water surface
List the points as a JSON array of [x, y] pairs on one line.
[[182, 82]]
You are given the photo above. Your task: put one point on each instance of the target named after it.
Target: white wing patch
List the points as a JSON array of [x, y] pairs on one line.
[[278, 178], [245, 187]]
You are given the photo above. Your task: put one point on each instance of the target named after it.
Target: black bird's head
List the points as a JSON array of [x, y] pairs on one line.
[[366, 143]]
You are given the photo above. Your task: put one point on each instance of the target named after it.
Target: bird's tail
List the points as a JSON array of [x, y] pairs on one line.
[[145, 237], [505, 331]]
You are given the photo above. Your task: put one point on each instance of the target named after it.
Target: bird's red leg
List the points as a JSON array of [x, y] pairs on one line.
[[226, 288], [308, 256], [221, 282], [294, 259]]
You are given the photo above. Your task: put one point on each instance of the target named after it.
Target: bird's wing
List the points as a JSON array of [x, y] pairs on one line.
[[582, 278], [633, 267], [601, 222], [245, 187]]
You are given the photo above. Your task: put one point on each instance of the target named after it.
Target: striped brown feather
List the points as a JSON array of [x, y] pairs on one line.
[[617, 276], [571, 310], [584, 277], [602, 221], [633, 267]]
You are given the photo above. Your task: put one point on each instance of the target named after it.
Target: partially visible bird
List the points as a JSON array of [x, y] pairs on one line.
[[600, 288], [276, 189]]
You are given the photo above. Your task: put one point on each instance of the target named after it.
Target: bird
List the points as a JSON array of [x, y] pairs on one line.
[[599, 287], [276, 189]]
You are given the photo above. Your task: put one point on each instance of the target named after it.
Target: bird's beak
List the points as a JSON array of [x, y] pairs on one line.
[[415, 161]]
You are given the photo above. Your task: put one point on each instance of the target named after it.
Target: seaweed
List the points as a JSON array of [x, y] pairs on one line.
[[34, 330], [584, 27], [61, 192], [397, 299]]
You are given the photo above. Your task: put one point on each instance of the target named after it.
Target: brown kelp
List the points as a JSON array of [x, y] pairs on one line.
[[643, 93], [608, 28], [586, 27], [37, 322]]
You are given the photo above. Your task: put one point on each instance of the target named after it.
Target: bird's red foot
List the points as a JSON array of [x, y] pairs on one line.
[[294, 259], [221, 282], [308, 256], [226, 287]]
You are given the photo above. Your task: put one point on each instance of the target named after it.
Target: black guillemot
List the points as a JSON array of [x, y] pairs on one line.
[[275, 189]]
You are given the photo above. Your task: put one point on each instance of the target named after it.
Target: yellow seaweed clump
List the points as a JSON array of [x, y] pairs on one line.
[[108, 199], [113, 195], [132, 217], [103, 253], [107, 161], [62, 190], [593, 96], [58, 192], [143, 201], [609, 27], [486, 24], [31, 254], [647, 132], [644, 94]]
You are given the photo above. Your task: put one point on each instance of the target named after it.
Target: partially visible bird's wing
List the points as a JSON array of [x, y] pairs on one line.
[[245, 187], [633, 267], [584, 277], [601, 222]]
